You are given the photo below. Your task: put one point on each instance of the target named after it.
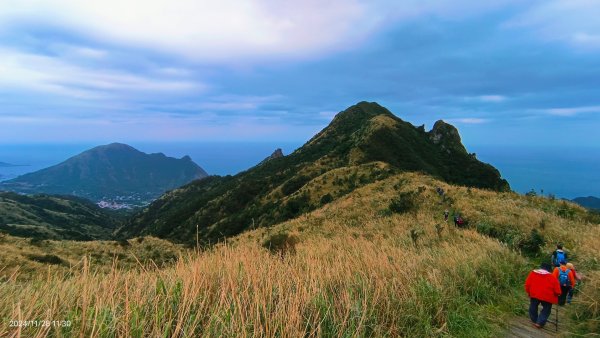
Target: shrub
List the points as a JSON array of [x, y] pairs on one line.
[[592, 216], [46, 259], [327, 198], [294, 184], [295, 206], [124, 243], [533, 244], [404, 203], [565, 211], [281, 243], [36, 241]]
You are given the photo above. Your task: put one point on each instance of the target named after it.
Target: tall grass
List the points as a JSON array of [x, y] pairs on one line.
[[355, 272], [343, 287]]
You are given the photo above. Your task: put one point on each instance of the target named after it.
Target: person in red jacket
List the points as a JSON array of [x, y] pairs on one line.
[[566, 279], [542, 288]]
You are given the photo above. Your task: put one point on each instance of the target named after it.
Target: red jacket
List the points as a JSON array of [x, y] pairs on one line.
[[542, 285]]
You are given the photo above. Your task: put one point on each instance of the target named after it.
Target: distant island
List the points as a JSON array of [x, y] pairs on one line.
[[589, 202], [6, 165], [110, 173]]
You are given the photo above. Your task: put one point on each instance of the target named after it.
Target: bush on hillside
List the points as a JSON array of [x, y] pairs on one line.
[[282, 243], [592, 216], [531, 193], [533, 244], [530, 245], [327, 198], [294, 184], [46, 259], [123, 242], [405, 202], [295, 206], [566, 211]]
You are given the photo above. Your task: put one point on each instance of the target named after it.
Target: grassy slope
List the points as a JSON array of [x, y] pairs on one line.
[[54, 217], [354, 272], [24, 259]]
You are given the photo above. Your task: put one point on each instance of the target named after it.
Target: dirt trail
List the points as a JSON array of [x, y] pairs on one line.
[[522, 327]]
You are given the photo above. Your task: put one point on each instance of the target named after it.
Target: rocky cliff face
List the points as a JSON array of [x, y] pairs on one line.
[[447, 137]]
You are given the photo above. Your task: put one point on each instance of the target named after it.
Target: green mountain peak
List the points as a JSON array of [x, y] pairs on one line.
[[363, 144]]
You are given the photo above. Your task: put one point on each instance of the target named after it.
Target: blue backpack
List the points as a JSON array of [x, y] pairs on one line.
[[560, 256], [563, 277]]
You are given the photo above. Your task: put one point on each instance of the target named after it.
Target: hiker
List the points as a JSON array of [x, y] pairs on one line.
[[566, 279], [559, 255], [543, 288], [571, 267], [459, 221], [440, 191], [446, 214]]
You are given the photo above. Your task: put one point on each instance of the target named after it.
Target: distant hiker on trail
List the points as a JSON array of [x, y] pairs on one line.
[[571, 267], [458, 221], [440, 191], [543, 288], [446, 214], [566, 279], [559, 255]]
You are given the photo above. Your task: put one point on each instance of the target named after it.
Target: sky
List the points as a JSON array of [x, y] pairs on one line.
[[511, 72]]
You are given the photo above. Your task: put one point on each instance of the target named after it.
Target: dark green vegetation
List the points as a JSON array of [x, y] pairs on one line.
[[114, 171], [363, 144], [589, 202], [54, 217]]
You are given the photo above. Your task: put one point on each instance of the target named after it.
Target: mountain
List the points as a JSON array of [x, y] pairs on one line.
[[4, 164], [110, 172], [276, 154], [589, 202], [53, 217], [363, 144]]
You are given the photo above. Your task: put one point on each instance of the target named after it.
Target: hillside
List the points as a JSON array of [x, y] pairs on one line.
[[110, 172], [54, 217], [26, 259], [357, 266], [363, 144], [590, 202]]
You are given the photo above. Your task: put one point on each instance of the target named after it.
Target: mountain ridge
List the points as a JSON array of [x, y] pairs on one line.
[[590, 202], [112, 171], [363, 144]]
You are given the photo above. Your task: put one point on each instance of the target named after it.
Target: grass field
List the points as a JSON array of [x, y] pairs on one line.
[[351, 268]]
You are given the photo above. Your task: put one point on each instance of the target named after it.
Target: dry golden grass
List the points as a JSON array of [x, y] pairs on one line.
[[17, 255], [355, 272], [335, 286]]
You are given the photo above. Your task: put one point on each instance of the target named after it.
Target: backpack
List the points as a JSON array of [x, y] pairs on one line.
[[563, 277], [560, 256]]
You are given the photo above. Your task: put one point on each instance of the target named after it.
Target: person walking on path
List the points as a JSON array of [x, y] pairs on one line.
[[559, 255], [543, 288], [566, 279], [571, 267]]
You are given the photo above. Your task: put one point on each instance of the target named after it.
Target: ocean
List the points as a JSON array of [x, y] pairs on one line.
[[566, 172]]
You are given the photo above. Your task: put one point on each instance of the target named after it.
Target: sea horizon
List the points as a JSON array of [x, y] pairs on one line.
[[565, 171]]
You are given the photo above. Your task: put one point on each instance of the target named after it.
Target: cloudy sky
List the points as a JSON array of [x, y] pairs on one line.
[[504, 71]]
